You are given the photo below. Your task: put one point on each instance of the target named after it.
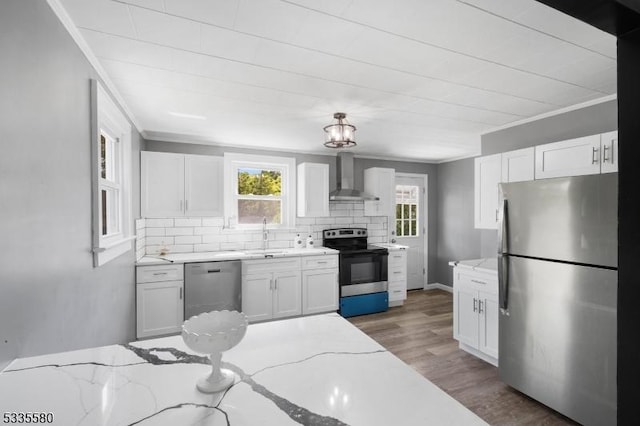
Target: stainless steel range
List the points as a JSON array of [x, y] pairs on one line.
[[363, 271]]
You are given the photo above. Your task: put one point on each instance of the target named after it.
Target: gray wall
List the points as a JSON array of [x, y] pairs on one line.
[[359, 165], [598, 118], [457, 239], [51, 297]]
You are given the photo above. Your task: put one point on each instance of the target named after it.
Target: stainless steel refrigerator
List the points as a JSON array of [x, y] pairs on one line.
[[558, 282]]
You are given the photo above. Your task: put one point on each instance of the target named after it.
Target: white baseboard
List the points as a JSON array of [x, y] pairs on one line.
[[438, 286]]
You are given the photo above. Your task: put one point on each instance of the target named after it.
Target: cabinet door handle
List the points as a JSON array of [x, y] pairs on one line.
[[180, 293], [276, 284], [594, 155], [478, 282], [605, 157], [475, 301], [321, 263], [160, 273], [479, 306], [186, 205]]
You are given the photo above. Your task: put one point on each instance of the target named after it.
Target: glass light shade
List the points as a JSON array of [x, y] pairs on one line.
[[340, 134]]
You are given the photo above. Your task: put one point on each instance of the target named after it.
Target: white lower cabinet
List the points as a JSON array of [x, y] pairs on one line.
[[397, 277], [320, 284], [159, 300], [271, 288], [475, 313]]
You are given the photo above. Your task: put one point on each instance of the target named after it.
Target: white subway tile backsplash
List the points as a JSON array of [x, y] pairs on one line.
[[159, 223], [338, 213], [325, 221], [207, 230], [179, 231], [215, 238], [192, 221], [183, 235], [213, 221], [140, 224], [231, 246], [159, 240], [377, 233], [155, 232], [280, 244], [206, 247], [188, 239], [344, 220], [181, 248]]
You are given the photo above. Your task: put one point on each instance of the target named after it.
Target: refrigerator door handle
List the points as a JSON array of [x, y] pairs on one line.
[[503, 283], [502, 228], [503, 261]]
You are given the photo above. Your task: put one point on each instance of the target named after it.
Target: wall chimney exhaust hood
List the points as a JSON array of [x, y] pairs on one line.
[[345, 190]]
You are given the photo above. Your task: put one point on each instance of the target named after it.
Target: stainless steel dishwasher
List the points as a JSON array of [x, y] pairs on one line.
[[212, 286]]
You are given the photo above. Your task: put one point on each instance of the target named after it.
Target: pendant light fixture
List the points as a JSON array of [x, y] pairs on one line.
[[340, 134]]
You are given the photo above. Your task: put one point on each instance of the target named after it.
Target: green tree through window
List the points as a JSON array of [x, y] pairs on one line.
[[259, 194]]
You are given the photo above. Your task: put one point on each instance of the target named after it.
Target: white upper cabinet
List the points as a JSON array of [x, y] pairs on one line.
[[313, 190], [162, 184], [488, 172], [518, 166], [609, 148], [573, 157], [381, 182], [203, 185], [174, 185]]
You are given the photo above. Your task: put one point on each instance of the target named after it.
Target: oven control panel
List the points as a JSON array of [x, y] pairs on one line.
[[345, 233]]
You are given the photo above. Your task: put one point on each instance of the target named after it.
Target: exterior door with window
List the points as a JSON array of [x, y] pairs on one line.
[[411, 226]]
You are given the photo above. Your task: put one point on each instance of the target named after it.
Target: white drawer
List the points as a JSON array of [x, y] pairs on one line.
[[259, 266], [397, 273], [397, 291], [478, 281], [319, 262], [397, 258], [157, 273]]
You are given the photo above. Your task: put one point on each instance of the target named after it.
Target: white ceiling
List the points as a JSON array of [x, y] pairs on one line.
[[420, 79]]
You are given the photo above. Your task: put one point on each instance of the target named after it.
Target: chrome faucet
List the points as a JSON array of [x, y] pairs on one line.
[[265, 234]]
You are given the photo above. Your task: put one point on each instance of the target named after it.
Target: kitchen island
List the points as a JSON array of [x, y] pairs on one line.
[[312, 370]]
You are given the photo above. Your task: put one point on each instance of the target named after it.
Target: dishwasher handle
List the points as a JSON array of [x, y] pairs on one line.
[[213, 271]]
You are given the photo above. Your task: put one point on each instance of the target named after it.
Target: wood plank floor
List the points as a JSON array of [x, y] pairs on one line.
[[420, 334]]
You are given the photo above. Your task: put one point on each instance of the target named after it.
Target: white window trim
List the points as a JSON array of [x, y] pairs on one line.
[[232, 161], [104, 113]]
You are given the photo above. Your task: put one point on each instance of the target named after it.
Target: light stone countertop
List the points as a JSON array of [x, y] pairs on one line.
[[317, 370], [391, 247], [213, 256], [488, 265]]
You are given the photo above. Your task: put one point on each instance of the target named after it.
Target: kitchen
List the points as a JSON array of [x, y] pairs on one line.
[[65, 303]]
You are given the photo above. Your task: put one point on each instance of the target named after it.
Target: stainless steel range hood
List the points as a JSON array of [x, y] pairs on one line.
[[345, 190]]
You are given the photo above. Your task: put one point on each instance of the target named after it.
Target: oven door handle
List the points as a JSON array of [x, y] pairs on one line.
[[352, 255]]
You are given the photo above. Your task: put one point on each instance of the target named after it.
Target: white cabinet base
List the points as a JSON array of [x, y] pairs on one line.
[[473, 351], [159, 308]]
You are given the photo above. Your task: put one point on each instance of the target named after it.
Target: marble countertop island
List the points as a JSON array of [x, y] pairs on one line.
[[317, 370]]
